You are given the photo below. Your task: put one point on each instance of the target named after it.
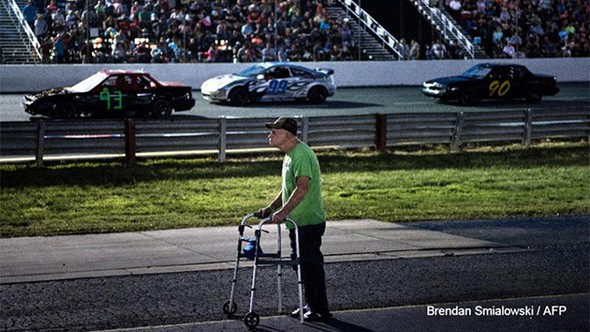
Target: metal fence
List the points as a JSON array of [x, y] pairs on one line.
[[60, 140]]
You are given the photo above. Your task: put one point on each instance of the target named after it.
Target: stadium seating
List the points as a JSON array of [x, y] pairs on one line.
[[165, 31]]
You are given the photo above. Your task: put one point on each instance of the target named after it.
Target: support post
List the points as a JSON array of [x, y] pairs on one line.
[[381, 132], [40, 143], [456, 139], [130, 143], [222, 138], [528, 128], [305, 129]]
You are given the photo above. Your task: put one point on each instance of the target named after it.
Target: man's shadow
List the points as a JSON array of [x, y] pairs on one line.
[[343, 326], [332, 325]]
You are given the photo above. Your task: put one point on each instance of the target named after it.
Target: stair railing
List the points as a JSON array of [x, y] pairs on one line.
[[449, 30], [371, 24], [23, 23]]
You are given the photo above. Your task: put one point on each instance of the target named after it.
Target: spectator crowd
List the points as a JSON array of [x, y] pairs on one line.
[[167, 31], [162, 31], [525, 28]]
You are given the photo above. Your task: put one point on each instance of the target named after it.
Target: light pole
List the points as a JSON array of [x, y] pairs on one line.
[[88, 31], [184, 48], [275, 23], [360, 27]]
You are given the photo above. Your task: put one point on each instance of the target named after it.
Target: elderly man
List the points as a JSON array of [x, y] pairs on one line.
[[300, 199]]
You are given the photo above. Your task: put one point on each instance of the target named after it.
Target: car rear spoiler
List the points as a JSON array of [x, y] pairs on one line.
[[326, 71]]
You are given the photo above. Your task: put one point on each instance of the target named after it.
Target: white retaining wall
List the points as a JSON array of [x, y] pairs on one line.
[[27, 78]]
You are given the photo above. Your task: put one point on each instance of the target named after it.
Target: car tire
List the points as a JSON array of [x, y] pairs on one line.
[[467, 97], [161, 108], [317, 95], [85, 114], [239, 96], [533, 96], [63, 110]]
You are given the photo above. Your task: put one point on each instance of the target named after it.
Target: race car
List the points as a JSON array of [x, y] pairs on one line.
[[112, 94], [271, 82], [492, 81]]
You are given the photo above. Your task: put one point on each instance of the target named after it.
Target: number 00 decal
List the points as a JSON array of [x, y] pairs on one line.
[[277, 86], [500, 89]]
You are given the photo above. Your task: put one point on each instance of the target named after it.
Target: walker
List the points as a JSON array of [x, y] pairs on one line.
[[252, 319]]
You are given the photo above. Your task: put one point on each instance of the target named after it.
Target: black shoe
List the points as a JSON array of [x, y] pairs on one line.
[[297, 311], [316, 317]]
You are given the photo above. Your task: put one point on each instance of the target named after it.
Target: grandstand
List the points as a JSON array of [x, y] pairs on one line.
[[169, 31]]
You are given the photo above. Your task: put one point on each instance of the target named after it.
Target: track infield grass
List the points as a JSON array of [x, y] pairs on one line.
[[484, 183]]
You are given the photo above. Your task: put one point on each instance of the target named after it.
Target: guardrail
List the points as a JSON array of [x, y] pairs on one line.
[[60, 140]]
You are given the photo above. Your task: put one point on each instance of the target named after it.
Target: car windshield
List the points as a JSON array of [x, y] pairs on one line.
[[477, 71], [251, 71], [89, 83]]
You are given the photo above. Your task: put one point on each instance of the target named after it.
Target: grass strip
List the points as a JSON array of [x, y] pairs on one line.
[[486, 183]]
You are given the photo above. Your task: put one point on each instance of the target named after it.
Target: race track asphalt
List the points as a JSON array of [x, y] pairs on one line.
[[349, 101]]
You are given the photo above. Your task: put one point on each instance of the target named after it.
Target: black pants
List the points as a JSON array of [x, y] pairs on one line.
[[312, 265]]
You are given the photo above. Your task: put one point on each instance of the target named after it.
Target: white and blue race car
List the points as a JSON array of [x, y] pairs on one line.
[[271, 82]]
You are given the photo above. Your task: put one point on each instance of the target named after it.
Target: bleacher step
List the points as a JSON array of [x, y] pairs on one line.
[[16, 47]]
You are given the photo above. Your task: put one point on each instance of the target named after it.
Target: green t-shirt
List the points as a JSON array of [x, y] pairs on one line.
[[302, 161]]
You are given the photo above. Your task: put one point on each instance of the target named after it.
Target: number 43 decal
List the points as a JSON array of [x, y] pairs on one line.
[[276, 87], [499, 89]]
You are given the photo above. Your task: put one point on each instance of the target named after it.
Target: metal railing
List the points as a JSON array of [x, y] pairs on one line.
[[449, 31], [30, 35], [61, 140], [366, 20]]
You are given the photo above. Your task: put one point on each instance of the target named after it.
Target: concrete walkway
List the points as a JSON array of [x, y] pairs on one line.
[[83, 256]]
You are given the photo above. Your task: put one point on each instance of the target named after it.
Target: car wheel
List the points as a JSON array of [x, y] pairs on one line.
[[467, 97], [85, 114], [239, 96], [161, 109], [317, 95], [63, 110], [533, 96]]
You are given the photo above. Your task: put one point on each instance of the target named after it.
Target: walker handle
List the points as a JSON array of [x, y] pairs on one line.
[[247, 217], [266, 220]]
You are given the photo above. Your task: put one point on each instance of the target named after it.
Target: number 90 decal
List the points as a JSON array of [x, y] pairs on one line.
[[277, 86], [499, 89]]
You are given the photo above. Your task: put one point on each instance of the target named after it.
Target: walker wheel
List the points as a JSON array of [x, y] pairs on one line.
[[251, 320], [230, 311]]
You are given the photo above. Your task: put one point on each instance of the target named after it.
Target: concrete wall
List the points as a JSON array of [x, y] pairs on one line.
[[27, 78]]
